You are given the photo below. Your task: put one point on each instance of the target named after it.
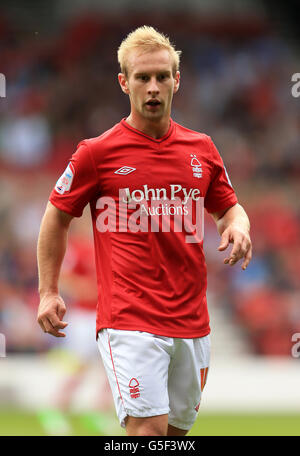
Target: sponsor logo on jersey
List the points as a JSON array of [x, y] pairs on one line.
[[64, 183], [160, 194], [175, 208], [134, 388], [125, 170]]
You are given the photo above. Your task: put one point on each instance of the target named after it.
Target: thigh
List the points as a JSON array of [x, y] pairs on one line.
[[187, 376], [137, 368]]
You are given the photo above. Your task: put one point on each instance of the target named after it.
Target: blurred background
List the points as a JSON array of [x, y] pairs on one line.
[[59, 59]]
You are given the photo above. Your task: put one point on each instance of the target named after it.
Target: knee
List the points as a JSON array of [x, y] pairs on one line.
[[149, 431], [153, 426]]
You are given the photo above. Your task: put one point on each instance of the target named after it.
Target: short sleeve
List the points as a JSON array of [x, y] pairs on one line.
[[78, 185], [220, 194]]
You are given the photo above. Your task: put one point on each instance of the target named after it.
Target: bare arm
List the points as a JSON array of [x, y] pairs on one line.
[[234, 227], [51, 248]]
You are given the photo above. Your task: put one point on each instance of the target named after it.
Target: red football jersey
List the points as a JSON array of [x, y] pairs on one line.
[[151, 271]]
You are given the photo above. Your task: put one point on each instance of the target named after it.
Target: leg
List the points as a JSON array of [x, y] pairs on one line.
[[187, 375], [172, 431], [137, 368], [154, 426]]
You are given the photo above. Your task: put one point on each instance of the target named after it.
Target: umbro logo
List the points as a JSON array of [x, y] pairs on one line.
[[125, 170]]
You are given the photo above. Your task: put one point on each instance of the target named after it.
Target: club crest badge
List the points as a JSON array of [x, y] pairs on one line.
[[196, 166]]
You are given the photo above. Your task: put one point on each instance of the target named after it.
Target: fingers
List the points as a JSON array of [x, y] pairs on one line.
[[50, 316], [61, 312], [51, 325], [42, 325], [247, 260], [224, 242], [241, 249], [54, 330], [236, 253], [56, 322]]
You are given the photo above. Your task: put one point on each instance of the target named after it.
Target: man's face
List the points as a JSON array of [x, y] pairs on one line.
[[150, 83]]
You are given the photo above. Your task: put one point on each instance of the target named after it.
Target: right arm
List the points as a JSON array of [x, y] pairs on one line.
[[51, 248]]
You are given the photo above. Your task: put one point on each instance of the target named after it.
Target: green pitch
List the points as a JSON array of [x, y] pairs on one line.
[[43, 423]]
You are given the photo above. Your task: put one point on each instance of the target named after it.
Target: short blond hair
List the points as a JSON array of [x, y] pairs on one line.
[[146, 39]]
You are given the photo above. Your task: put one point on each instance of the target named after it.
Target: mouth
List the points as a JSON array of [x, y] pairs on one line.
[[153, 103]]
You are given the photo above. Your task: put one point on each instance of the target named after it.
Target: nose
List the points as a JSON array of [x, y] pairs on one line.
[[153, 87]]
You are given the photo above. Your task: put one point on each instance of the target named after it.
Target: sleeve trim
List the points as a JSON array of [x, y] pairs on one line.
[[61, 206], [228, 202]]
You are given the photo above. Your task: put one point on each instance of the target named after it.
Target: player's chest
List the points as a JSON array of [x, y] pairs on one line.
[[155, 167]]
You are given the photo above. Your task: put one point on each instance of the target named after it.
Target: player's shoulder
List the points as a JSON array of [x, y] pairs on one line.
[[199, 139], [193, 134], [104, 138]]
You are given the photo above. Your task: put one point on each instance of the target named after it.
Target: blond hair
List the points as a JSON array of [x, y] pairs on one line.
[[146, 39]]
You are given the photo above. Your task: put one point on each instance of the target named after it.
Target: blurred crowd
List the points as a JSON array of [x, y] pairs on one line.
[[235, 87]]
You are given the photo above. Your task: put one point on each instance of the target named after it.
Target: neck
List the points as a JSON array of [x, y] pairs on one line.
[[155, 128]]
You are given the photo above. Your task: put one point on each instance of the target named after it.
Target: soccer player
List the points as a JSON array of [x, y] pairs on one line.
[[146, 180]]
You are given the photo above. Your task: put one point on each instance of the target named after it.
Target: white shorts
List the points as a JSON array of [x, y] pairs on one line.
[[154, 375]]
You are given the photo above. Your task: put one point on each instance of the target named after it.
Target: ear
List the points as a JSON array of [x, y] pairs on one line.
[[123, 83], [177, 81]]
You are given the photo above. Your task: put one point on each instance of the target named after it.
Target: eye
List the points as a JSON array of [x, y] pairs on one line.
[[162, 77]]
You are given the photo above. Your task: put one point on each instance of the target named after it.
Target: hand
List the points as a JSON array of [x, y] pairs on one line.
[[242, 246], [50, 314]]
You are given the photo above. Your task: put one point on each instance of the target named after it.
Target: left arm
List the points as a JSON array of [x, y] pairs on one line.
[[234, 227]]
